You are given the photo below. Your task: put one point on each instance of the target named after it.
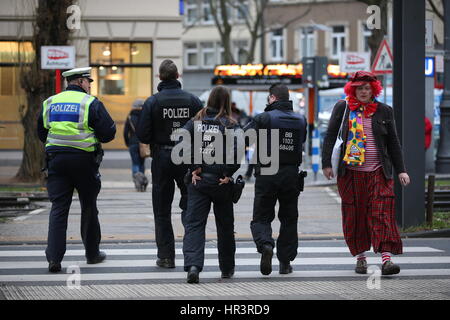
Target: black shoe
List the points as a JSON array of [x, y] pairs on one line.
[[54, 267], [266, 259], [361, 266], [165, 263], [285, 267], [192, 276], [227, 274], [99, 258], [389, 268]]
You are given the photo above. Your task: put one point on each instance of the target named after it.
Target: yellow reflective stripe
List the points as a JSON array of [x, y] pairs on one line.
[[46, 113], [81, 136], [81, 117], [79, 144]]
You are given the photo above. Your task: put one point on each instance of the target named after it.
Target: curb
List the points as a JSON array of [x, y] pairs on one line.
[[441, 233]]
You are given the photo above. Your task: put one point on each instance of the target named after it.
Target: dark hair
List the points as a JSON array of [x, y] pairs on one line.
[[280, 91], [220, 100], [168, 70]]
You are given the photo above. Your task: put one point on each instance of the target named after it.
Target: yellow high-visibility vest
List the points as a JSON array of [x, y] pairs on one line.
[[66, 115]]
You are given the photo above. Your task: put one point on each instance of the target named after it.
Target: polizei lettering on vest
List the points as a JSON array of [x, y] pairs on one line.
[[65, 107], [175, 113]]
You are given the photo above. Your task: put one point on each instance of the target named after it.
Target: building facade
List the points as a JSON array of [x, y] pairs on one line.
[[202, 44], [123, 42]]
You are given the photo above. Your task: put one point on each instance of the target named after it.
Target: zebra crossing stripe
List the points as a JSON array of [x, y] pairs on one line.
[[299, 261], [249, 250], [210, 275]]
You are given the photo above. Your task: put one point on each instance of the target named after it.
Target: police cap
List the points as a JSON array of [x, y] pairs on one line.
[[78, 73]]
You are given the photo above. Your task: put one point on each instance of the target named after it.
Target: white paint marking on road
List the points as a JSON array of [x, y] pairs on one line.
[[212, 275], [131, 252], [17, 265], [333, 194], [30, 214]]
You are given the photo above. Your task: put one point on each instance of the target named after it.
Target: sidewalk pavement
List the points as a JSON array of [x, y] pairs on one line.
[[127, 215]]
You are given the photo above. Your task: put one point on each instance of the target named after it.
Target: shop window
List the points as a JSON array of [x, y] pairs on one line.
[[121, 68]]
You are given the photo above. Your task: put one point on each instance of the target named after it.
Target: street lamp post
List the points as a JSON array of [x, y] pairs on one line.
[[443, 153]]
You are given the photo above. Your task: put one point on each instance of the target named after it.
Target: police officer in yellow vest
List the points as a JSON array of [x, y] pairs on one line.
[[72, 125]]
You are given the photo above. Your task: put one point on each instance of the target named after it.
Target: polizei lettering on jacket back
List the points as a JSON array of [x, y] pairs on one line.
[[174, 118], [175, 112]]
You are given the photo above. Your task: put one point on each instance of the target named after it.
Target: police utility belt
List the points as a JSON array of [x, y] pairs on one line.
[[163, 147], [97, 157], [237, 185]]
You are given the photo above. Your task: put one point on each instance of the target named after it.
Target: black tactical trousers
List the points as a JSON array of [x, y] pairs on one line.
[[283, 187], [200, 197], [66, 172], [164, 176]]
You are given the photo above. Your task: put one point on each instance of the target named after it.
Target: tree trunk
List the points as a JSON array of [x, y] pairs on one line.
[[49, 29], [377, 35]]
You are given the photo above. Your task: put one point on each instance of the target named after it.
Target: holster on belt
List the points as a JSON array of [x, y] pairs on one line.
[[48, 156], [301, 180], [98, 154]]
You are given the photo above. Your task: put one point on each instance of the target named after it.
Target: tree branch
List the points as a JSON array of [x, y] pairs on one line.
[[435, 10]]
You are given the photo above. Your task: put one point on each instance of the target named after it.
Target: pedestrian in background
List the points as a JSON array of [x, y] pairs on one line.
[[428, 133], [132, 142], [163, 113], [72, 125], [210, 183], [365, 177], [283, 186]]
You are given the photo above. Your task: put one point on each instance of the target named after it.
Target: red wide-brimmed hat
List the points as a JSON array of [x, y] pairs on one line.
[[361, 77]]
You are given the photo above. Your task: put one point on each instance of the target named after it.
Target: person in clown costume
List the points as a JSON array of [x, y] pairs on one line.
[[365, 176]]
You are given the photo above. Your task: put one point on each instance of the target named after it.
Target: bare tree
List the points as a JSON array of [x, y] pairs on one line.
[[49, 28], [222, 20], [438, 13], [252, 19]]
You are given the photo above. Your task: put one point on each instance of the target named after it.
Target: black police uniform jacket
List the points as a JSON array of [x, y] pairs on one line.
[[208, 129], [166, 111], [292, 130]]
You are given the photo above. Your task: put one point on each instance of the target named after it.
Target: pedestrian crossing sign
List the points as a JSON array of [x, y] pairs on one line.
[[384, 61]]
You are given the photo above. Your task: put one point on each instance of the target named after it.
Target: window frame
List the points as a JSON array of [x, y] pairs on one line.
[[122, 64], [187, 51], [16, 64], [207, 50], [279, 41], [125, 65], [191, 6], [365, 34], [310, 36], [339, 36], [205, 5]]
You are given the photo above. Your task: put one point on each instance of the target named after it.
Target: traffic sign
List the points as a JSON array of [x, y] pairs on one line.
[[383, 62], [354, 61], [57, 57]]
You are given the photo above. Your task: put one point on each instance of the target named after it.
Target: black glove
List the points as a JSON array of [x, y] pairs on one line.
[[238, 186]]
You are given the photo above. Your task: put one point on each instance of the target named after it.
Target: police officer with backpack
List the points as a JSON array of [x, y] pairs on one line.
[[212, 166], [162, 114], [72, 125], [284, 186]]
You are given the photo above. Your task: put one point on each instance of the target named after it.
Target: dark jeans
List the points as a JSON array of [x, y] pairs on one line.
[[280, 187], [200, 197], [164, 176], [66, 172], [137, 163]]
